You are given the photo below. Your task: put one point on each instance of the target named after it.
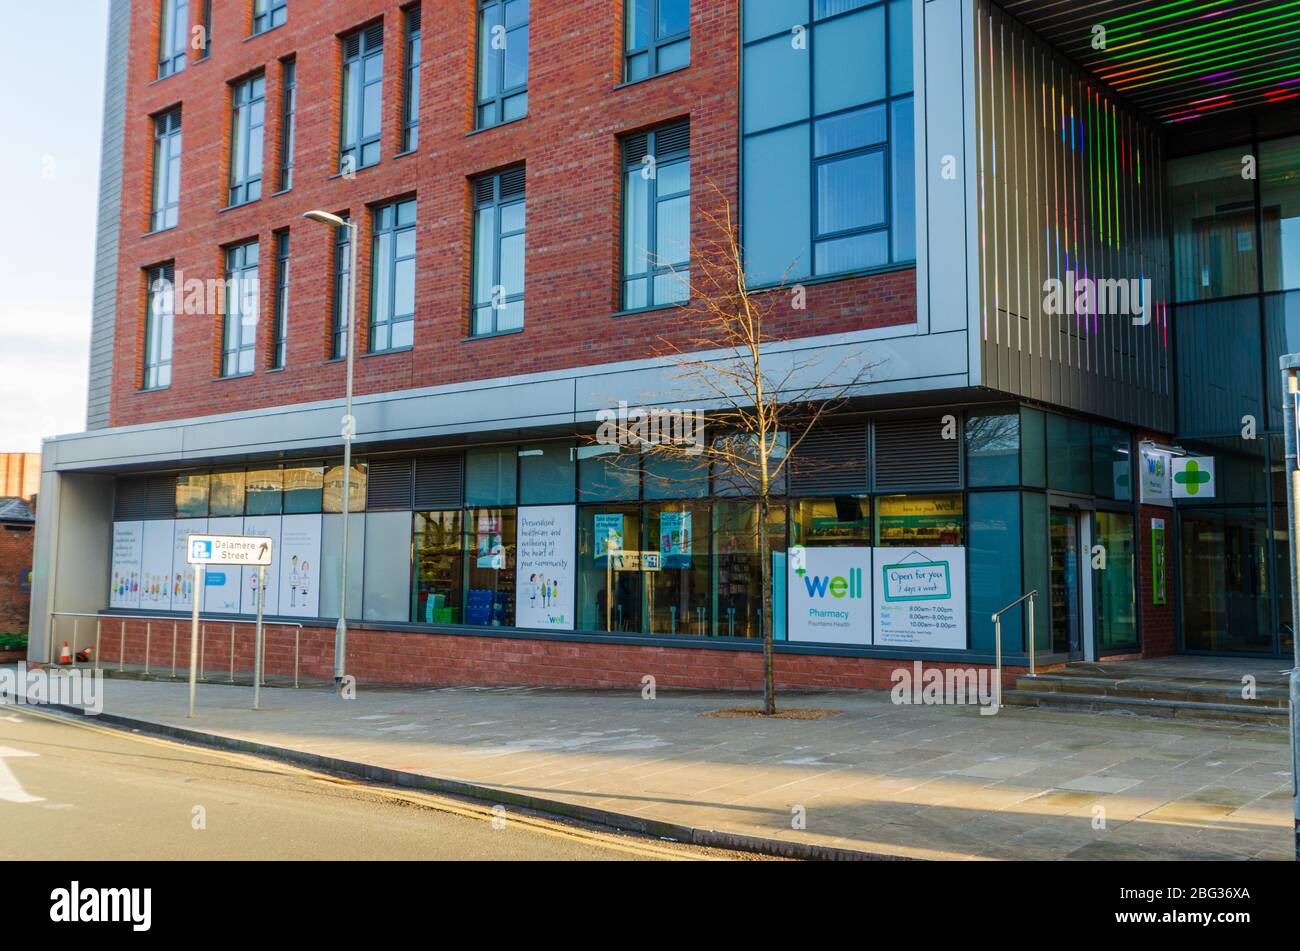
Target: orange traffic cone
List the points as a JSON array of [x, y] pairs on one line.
[[65, 655], [84, 656]]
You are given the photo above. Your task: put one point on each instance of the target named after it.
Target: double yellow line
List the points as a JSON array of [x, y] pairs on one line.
[[433, 801]]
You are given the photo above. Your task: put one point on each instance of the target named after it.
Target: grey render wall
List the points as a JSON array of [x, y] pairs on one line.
[[109, 217], [1070, 178]]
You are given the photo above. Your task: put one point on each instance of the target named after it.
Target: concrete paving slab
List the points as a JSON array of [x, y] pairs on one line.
[[901, 781]]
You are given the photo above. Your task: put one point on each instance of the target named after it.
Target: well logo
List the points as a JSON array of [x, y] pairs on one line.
[[837, 586]]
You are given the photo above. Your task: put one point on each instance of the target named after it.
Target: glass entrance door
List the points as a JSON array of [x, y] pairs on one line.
[[1065, 601]]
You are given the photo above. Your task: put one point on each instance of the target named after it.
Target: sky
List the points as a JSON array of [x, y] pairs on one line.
[[52, 77]]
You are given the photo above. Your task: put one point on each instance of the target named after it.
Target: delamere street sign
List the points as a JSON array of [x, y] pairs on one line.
[[229, 550]]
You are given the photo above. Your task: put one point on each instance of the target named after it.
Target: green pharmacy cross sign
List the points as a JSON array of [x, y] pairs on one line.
[[1194, 478]]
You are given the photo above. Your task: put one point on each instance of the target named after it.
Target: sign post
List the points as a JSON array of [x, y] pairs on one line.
[[257, 645], [232, 550], [1290, 365]]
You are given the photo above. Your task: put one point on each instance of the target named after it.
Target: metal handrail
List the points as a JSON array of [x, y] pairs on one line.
[[1030, 597], [100, 618]]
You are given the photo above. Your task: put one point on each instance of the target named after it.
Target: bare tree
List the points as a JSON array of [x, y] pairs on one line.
[[762, 404]]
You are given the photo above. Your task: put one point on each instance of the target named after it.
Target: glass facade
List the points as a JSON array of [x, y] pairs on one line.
[[1236, 240], [469, 562], [828, 156]]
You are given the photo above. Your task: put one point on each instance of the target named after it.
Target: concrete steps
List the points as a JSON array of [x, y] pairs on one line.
[[1197, 699]]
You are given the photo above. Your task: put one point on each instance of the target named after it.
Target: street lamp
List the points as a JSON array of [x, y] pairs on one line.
[[348, 433]]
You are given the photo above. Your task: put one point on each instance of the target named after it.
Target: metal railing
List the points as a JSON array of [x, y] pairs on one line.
[[1031, 597], [99, 619]]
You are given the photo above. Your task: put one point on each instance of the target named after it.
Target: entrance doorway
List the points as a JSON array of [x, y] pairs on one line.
[[1065, 579]]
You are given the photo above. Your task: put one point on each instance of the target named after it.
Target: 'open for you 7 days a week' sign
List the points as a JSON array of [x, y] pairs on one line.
[[920, 597]]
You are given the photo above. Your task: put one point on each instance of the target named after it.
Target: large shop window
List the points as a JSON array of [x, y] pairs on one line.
[[922, 521], [490, 584], [546, 473], [1225, 579], [677, 595], [993, 449], [737, 572], [829, 177], [334, 485], [608, 599], [843, 521], [1115, 591], [993, 561], [439, 567]]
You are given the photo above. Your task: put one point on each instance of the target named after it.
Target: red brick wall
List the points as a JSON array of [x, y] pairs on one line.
[[394, 657], [568, 141], [15, 558], [1158, 635]]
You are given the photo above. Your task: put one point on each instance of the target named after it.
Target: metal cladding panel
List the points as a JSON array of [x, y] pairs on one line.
[[912, 454], [1071, 186], [388, 485], [831, 460], [109, 217], [439, 482]]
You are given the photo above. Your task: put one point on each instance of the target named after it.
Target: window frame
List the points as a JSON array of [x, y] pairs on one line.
[[654, 47], [246, 95], [888, 103], [341, 288], [288, 114], [237, 274], [497, 101], [159, 327], [172, 55], [354, 106], [498, 204], [280, 326], [269, 14], [411, 82], [392, 259], [167, 135], [653, 270]]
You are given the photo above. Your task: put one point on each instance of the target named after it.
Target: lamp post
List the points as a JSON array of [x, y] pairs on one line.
[[348, 433]]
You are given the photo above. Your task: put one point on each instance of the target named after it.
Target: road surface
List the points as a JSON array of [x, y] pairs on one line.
[[72, 789]]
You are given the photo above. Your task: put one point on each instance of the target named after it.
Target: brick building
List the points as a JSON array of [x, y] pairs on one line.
[[20, 475], [16, 537], [523, 188]]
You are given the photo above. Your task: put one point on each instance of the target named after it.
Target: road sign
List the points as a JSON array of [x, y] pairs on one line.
[[229, 550]]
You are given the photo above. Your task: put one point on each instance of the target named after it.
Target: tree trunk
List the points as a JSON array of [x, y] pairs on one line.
[[765, 558]]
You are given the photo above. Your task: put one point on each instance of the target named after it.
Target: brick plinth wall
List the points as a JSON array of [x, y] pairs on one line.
[[401, 657]]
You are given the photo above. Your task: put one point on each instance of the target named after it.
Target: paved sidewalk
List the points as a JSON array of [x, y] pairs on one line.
[[908, 781]]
